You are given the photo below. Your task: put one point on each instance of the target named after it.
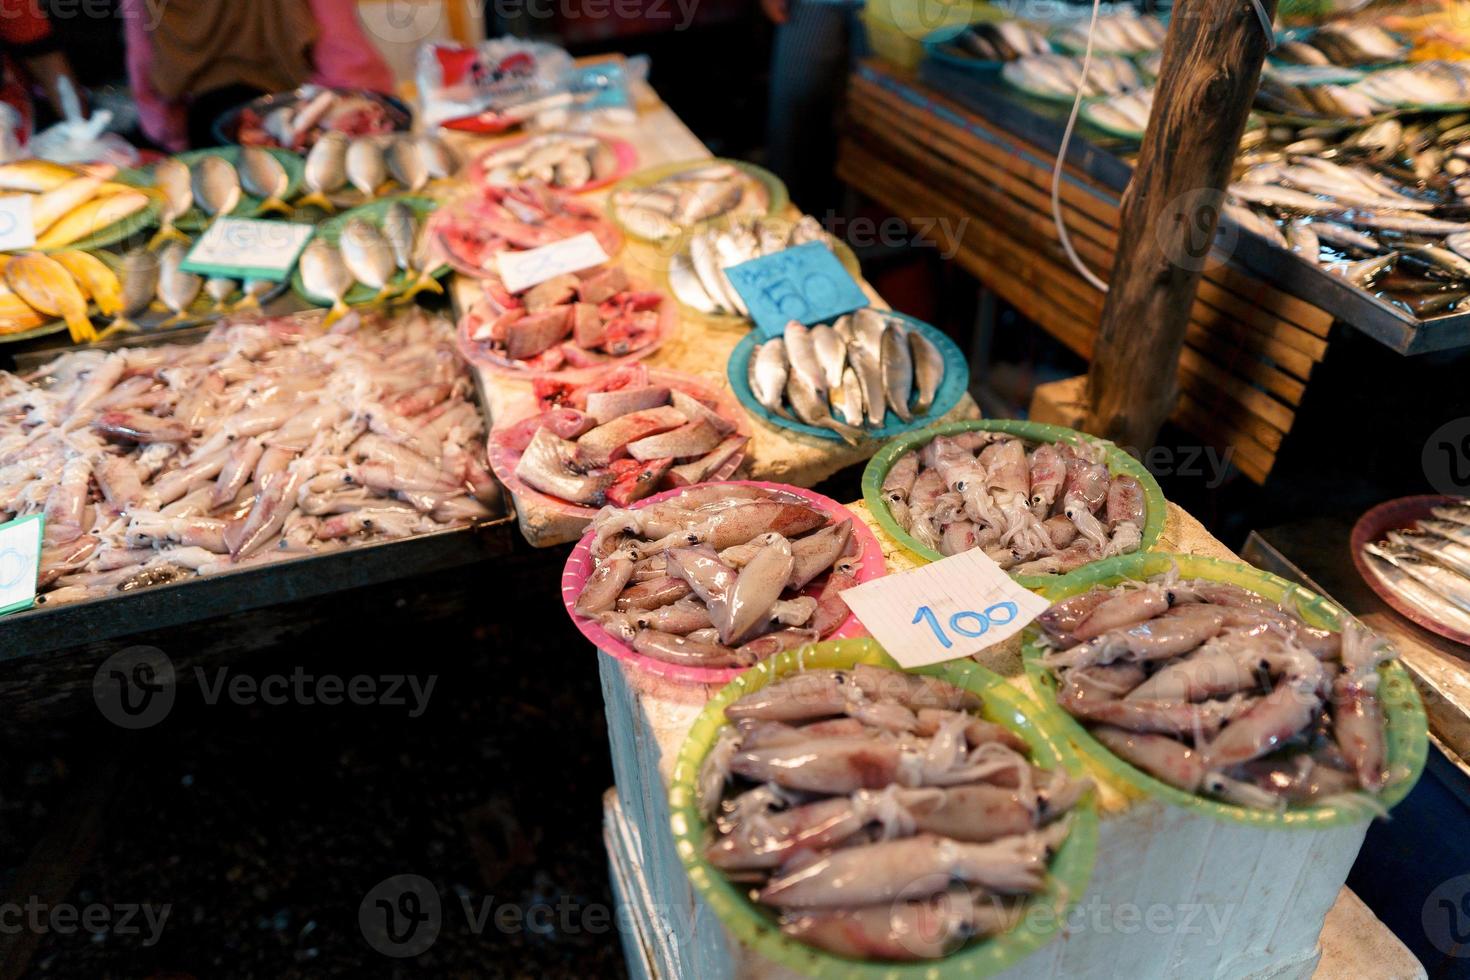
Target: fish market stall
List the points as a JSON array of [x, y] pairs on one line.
[[698, 345]]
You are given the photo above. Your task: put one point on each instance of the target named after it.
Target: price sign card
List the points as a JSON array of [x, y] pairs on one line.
[[805, 283], [944, 611], [522, 270], [20, 562], [246, 248], [17, 230]]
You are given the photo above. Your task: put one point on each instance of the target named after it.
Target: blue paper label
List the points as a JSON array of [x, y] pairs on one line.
[[805, 283]]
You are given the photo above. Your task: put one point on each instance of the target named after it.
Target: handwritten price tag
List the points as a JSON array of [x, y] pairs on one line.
[[17, 229], [248, 248], [950, 609], [805, 283], [20, 562], [522, 270]]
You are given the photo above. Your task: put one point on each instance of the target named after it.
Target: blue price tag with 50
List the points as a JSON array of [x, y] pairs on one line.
[[805, 283]]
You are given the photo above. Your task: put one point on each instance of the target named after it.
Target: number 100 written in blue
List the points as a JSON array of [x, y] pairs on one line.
[[967, 623]]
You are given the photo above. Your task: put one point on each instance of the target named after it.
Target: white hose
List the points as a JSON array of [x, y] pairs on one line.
[[1056, 172]]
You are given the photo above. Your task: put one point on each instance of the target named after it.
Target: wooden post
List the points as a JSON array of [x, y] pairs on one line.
[[1212, 61]]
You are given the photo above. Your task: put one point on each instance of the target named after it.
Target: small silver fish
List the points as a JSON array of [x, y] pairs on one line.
[[255, 291], [176, 288], [366, 168], [324, 274], [847, 398], [138, 276], [811, 407], [767, 375], [686, 285], [801, 354], [439, 159], [898, 372], [831, 354], [220, 290], [263, 176], [368, 256], [173, 180], [326, 170], [928, 370], [407, 164], [216, 186]]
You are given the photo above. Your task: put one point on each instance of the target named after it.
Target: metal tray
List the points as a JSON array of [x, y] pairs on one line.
[[1100, 157], [41, 630]]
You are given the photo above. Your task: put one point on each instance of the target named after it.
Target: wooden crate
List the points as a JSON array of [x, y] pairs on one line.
[[1250, 348]]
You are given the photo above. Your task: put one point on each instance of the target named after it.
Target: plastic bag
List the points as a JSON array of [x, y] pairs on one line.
[[491, 86]]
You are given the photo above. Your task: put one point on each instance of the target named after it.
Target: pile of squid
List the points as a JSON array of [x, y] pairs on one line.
[[1220, 692], [1034, 509], [719, 576], [267, 440], [878, 814]]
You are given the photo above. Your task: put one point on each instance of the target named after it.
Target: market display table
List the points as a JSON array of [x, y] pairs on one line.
[[700, 348], [1279, 905]]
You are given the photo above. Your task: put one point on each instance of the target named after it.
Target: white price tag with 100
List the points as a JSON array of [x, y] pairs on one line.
[[944, 611]]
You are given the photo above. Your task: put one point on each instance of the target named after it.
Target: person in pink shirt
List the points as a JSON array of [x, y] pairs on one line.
[[189, 61]]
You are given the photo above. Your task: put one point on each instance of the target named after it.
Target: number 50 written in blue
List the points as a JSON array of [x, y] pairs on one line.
[[967, 623]]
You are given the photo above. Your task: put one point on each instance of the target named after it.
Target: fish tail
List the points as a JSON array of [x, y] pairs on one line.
[[168, 233], [849, 435], [425, 283], [275, 204], [382, 295], [249, 302], [174, 320], [338, 311], [121, 325], [316, 199]]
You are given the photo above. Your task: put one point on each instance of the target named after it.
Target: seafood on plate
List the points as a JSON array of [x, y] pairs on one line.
[[1345, 43], [473, 230], [575, 320], [1034, 508], [1427, 565], [267, 440], [697, 271], [1058, 75], [619, 438], [1124, 32], [1004, 40], [1329, 100], [298, 122], [878, 814], [1125, 113], [370, 256], [566, 161], [720, 575], [1423, 83], [849, 375], [69, 204], [689, 196], [1218, 691]]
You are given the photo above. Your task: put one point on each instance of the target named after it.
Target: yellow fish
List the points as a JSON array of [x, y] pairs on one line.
[[15, 314], [47, 287], [34, 176], [96, 279], [92, 217], [52, 206]]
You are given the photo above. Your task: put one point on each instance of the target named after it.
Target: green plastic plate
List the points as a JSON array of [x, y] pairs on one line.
[[756, 926], [1408, 738], [372, 212], [249, 207], [1117, 462]]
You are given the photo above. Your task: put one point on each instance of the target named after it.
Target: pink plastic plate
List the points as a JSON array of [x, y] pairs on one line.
[[503, 459], [607, 234], [579, 568], [474, 352], [1394, 515], [624, 151]]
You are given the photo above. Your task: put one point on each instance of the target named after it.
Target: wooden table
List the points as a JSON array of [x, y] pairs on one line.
[[701, 347]]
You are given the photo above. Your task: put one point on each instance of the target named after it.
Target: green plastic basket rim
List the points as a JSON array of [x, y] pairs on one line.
[[1408, 737], [1070, 870], [1116, 460]]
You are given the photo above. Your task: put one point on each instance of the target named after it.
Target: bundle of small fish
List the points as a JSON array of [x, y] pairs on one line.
[[149, 280], [1423, 83], [473, 230], [214, 186], [879, 814], [697, 271], [298, 124], [562, 160], [372, 165], [387, 254], [1124, 32], [719, 576], [1428, 565], [1006, 40], [266, 441], [574, 320], [1125, 113], [1348, 44], [1057, 75], [619, 439], [1034, 509], [849, 375], [700, 193], [69, 204], [1329, 100], [1218, 691]]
